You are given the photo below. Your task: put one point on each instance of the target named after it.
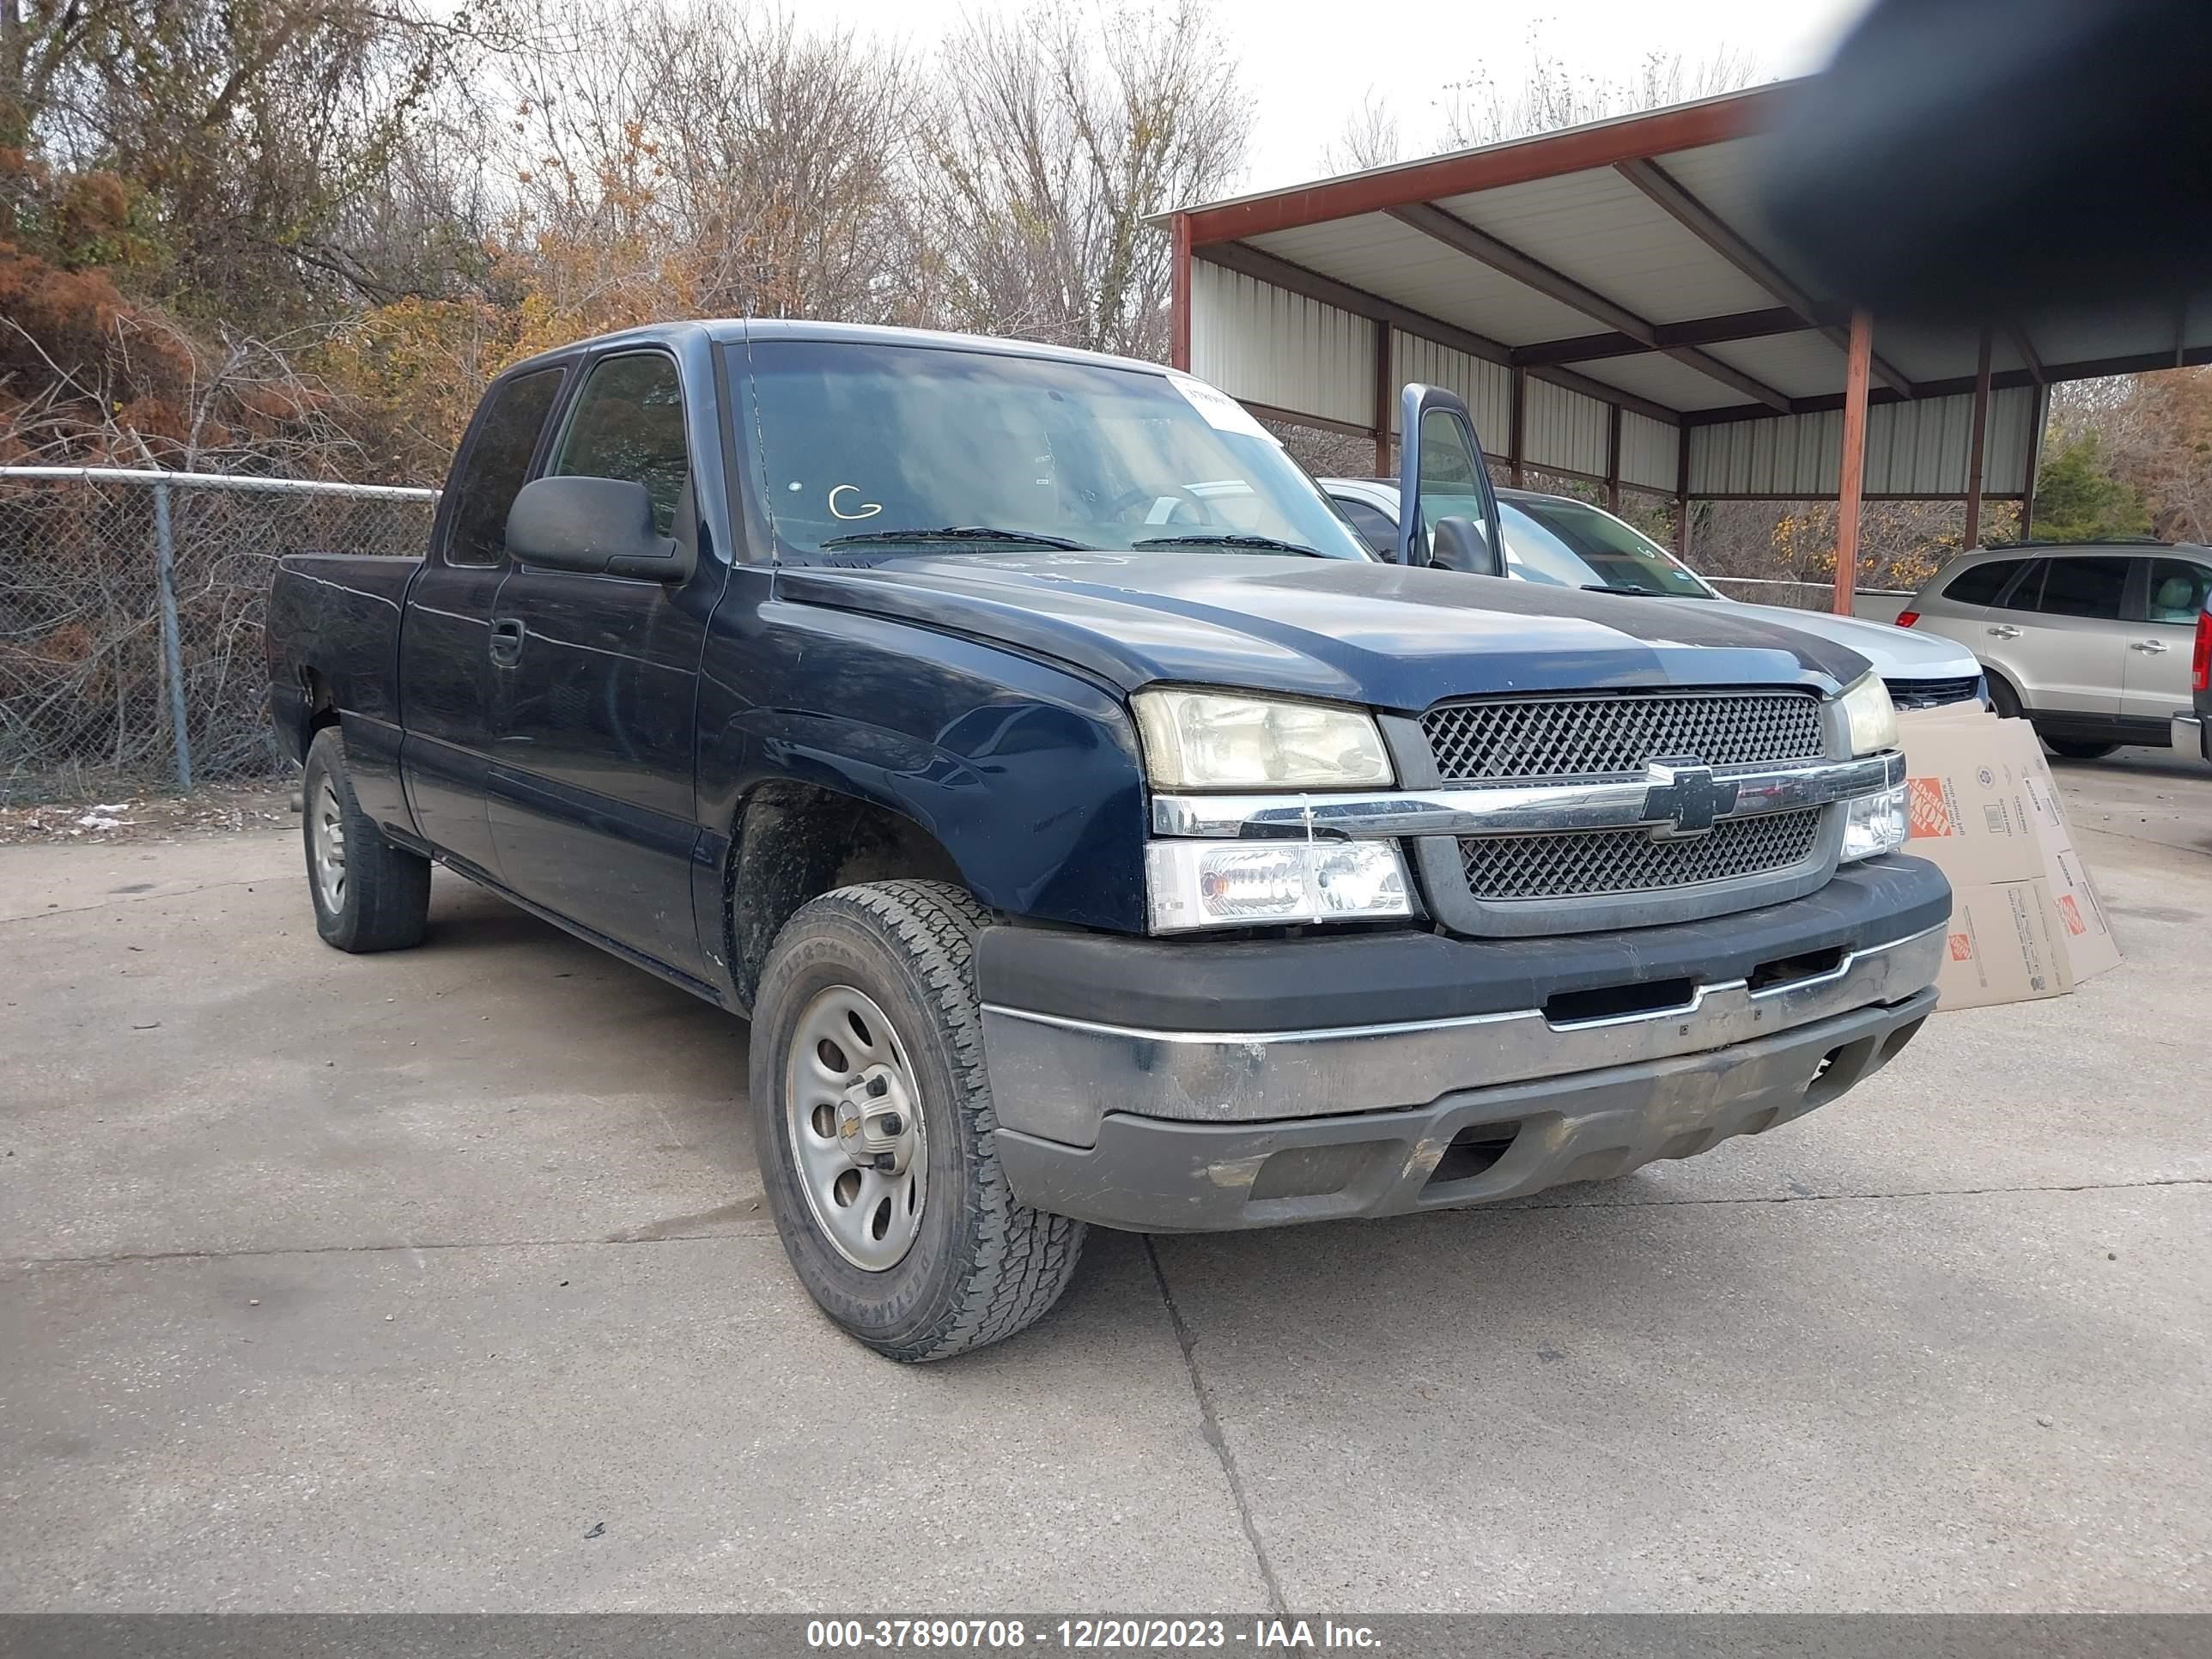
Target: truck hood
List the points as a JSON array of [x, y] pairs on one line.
[[1897, 653], [1339, 628]]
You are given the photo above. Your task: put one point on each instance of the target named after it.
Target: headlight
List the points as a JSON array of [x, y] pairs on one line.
[[1873, 717], [1215, 740], [1246, 884], [1875, 824]]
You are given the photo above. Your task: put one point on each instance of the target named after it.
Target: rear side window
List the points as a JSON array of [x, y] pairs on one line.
[[1980, 584], [497, 463], [2084, 587], [2177, 590], [628, 424]]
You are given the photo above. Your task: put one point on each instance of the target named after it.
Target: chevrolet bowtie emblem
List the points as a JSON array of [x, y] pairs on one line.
[[1684, 797]]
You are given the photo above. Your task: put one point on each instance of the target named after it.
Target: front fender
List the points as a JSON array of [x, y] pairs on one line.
[[1027, 774]]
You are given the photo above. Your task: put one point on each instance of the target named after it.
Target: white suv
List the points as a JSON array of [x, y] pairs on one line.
[[2091, 642]]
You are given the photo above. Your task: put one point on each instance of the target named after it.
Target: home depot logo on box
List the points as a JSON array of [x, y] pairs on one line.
[[1962, 947], [2070, 913], [1933, 811]]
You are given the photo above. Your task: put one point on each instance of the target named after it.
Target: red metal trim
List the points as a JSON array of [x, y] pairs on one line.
[[1546, 157], [1612, 461], [1179, 294], [1682, 493], [1977, 432], [1848, 494], [1517, 432], [1386, 398], [2034, 462], [1296, 417]]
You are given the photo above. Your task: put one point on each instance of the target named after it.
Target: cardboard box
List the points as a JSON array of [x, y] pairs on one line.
[[2025, 920], [1973, 814], [2002, 946]]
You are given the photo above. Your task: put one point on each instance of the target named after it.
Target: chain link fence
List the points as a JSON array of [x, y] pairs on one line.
[[131, 618]]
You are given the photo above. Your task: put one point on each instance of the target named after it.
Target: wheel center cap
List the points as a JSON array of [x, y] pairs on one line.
[[875, 1126]]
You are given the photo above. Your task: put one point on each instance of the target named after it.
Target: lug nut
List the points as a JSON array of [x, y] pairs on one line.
[[891, 1124], [887, 1162]]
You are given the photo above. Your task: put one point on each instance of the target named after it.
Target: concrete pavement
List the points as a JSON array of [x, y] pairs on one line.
[[440, 1280]]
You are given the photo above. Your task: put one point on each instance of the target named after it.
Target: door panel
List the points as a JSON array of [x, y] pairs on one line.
[[592, 808], [445, 665], [2160, 648], [2071, 644]]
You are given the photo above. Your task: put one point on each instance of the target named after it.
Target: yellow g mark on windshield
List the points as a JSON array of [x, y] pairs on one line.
[[865, 510]]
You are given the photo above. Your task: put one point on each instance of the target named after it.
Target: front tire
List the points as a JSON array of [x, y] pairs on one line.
[[368, 894], [873, 1120]]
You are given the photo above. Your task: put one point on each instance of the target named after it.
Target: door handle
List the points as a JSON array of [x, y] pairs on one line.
[[2005, 631], [507, 633], [2151, 646]]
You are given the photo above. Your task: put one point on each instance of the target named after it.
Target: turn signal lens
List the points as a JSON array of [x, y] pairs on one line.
[[1875, 824], [1907, 618], [1231, 883]]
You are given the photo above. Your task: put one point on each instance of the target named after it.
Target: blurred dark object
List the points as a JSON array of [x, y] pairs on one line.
[[1966, 158]]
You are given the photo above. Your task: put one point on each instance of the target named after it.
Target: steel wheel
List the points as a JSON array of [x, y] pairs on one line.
[[854, 1128], [326, 845]]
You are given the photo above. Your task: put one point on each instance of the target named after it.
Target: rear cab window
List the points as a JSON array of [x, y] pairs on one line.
[[497, 465]]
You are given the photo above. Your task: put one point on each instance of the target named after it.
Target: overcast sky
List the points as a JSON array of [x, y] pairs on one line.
[[1308, 65]]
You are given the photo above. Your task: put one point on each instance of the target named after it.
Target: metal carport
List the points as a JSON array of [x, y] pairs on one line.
[[1606, 301]]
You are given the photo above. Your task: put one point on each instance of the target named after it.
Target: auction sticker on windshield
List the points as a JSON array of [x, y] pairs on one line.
[[1223, 412]]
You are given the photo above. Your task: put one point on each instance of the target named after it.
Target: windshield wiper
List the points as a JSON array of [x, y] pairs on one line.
[[1261, 544], [957, 532], [1637, 592]]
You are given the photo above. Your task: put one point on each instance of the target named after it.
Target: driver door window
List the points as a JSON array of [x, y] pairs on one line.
[[628, 424]]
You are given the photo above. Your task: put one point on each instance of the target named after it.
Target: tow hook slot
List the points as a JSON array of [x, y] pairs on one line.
[[1787, 970], [1650, 996]]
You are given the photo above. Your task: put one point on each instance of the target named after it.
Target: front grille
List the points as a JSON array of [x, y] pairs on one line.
[[1932, 693], [1521, 738], [1585, 863]]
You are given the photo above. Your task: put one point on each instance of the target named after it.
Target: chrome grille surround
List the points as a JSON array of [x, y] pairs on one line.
[[1590, 877]]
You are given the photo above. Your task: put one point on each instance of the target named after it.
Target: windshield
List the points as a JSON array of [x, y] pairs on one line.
[[865, 444], [1567, 544]]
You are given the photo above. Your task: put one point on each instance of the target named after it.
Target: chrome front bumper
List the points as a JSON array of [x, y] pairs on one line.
[[1057, 1077]]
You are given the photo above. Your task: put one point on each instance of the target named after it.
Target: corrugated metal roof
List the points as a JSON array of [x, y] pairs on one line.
[[1624, 261]]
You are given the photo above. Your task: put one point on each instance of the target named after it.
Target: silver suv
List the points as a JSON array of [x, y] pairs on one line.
[[2090, 641]]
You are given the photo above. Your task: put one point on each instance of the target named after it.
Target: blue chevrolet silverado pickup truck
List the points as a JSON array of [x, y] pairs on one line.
[[1091, 829]]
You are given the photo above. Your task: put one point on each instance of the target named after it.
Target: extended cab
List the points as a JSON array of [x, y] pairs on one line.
[[1090, 830]]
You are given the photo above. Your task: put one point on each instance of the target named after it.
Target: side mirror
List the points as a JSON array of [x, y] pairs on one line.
[[1442, 476], [596, 526], [1460, 546]]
